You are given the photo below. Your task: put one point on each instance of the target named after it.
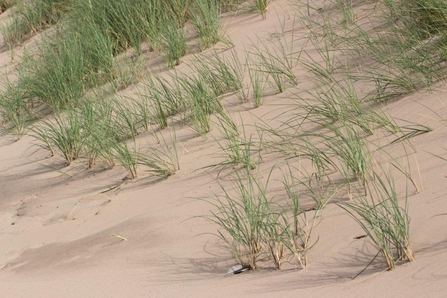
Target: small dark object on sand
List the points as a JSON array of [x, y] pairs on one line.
[[236, 269]]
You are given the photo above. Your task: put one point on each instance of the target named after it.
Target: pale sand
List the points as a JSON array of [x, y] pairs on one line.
[[61, 238]]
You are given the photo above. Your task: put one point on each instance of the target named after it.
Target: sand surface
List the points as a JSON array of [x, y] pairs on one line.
[[73, 232]]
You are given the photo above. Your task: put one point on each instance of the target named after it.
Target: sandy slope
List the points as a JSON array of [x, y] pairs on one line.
[[62, 228]]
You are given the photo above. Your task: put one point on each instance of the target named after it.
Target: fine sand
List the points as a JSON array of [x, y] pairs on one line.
[[73, 232]]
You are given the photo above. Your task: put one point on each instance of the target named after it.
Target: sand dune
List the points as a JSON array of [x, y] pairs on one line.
[[77, 232]]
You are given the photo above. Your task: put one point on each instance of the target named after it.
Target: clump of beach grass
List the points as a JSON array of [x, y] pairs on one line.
[[31, 17], [261, 6], [163, 161], [278, 58], [128, 157], [63, 133], [202, 100], [384, 220], [258, 80], [205, 19], [126, 118], [298, 227], [64, 67], [171, 41], [351, 149], [222, 72], [100, 135], [238, 149], [179, 9], [240, 218], [252, 223], [15, 112]]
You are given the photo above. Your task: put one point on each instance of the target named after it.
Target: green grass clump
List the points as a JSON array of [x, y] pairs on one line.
[[258, 80], [202, 102], [99, 131], [384, 220], [297, 224], [162, 161], [127, 71], [34, 16], [352, 150], [128, 157], [261, 6], [179, 9], [16, 114], [159, 114], [126, 119], [237, 149], [205, 19], [167, 97], [62, 135], [252, 223], [241, 218], [64, 68], [222, 73], [337, 101], [277, 59], [126, 24], [171, 42]]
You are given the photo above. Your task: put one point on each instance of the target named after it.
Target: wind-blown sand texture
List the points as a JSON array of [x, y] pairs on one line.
[[66, 231]]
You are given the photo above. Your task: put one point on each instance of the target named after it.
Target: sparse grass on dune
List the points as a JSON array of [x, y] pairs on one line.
[[252, 223], [403, 50], [348, 150], [327, 131]]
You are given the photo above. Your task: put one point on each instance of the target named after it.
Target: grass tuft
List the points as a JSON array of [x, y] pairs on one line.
[[205, 19], [384, 220]]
